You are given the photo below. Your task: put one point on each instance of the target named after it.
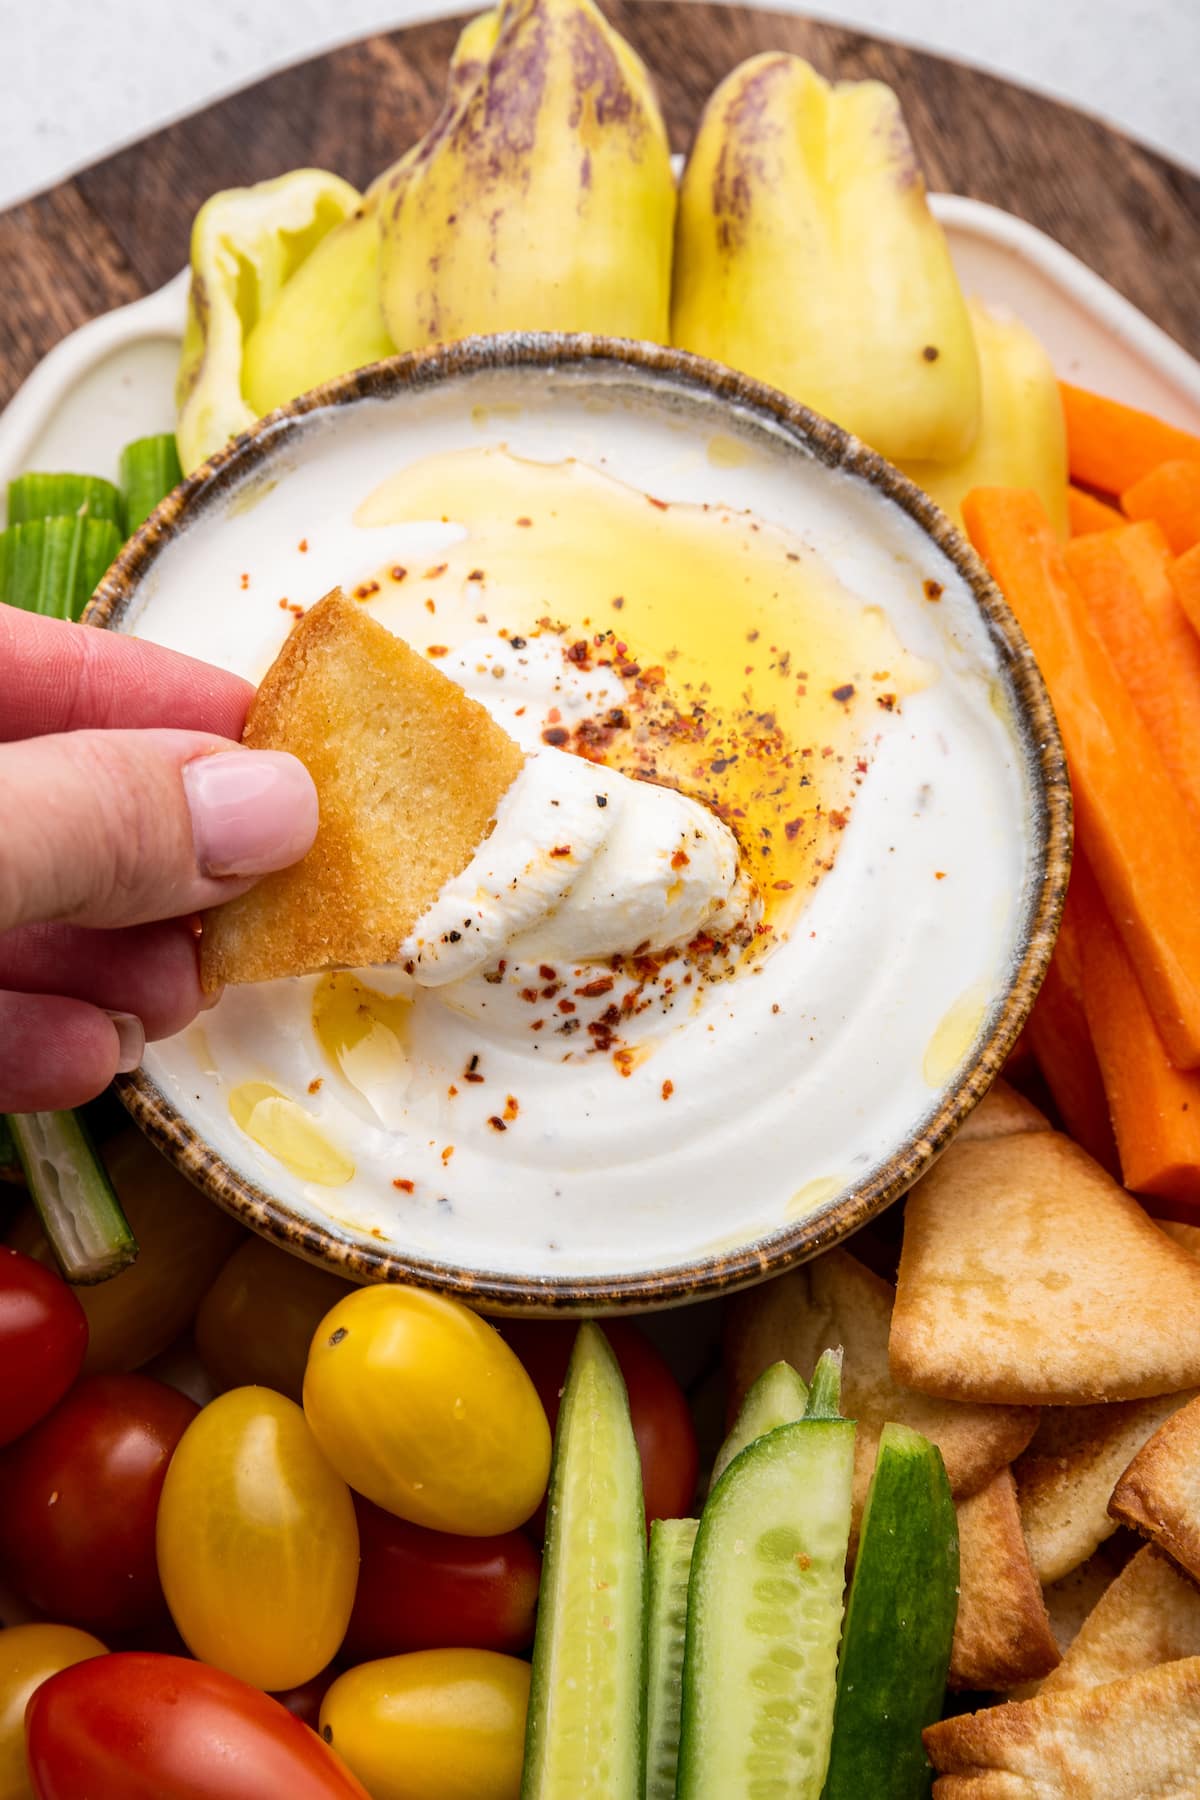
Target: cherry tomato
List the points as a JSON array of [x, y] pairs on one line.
[[29, 1655], [437, 1725], [257, 1544], [141, 1727], [182, 1241], [80, 1497], [429, 1590], [662, 1420], [43, 1337], [257, 1320], [423, 1408]]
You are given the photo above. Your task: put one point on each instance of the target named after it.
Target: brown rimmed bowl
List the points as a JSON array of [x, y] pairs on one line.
[[727, 402]]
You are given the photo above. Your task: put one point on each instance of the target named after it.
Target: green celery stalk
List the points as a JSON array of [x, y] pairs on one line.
[[36, 496], [149, 470], [51, 566], [69, 1185]]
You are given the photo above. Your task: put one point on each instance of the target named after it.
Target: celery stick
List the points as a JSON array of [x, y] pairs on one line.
[[51, 566], [149, 470], [37, 496], [69, 1185], [825, 1388]]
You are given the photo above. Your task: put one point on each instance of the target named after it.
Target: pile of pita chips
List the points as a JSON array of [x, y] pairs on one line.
[[1028, 1276], [409, 771], [1159, 1493], [1003, 1636], [1149, 1615]]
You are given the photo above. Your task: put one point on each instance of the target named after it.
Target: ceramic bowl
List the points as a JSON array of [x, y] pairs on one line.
[[675, 387]]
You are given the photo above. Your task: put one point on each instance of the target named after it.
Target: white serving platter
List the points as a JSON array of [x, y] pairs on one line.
[[113, 379]]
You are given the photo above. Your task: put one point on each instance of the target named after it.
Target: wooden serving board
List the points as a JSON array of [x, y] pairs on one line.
[[120, 229]]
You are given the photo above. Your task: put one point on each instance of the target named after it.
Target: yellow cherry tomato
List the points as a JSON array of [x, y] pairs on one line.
[[423, 1408], [257, 1319], [29, 1655], [257, 1542], [435, 1725]]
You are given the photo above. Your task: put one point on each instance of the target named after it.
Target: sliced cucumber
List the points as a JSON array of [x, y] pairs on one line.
[[70, 1187], [669, 1570], [778, 1397], [764, 1618], [899, 1626], [584, 1734]]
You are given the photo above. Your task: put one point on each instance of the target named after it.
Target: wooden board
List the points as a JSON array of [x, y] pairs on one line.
[[120, 229]]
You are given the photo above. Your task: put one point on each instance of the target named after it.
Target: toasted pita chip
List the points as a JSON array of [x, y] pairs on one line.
[[1159, 1493], [1137, 1739], [1066, 1477], [1187, 1235], [1149, 1615], [1002, 1635], [1071, 1599], [409, 771], [835, 1300], [1001, 1113], [1028, 1276]]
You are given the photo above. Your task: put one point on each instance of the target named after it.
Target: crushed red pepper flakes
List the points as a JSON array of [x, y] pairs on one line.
[[405, 1186], [511, 1107], [316, 1084], [497, 1123], [365, 589], [398, 572], [245, 581], [939, 874], [680, 860], [302, 546], [524, 522], [437, 569], [437, 650], [447, 1153], [430, 606], [547, 973], [452, 1091], [668, 1088], [561, 850], [933, 589], [566, 1006], [591, 990]]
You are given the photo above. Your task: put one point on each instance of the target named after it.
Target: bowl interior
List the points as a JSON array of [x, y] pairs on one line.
[[871, 1032]]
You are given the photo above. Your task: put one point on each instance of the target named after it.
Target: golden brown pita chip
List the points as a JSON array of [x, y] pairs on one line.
[[1149, 1615], [1028, 1276], [1002, 1636], [1137, 1739], [1159, 1493], [1070, 1599], [836, 1301], [1066, 1477], [409, 771], [1187, 1235], [1000, 1113]]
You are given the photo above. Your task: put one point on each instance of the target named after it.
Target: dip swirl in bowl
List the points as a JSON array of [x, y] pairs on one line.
[[765, 906]]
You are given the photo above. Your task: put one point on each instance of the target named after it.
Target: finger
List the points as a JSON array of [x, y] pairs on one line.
[[60, 677], [57, 1053], [150, 971], [120, 827]]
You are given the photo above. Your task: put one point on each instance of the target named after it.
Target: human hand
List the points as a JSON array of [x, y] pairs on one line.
[[128, 806]]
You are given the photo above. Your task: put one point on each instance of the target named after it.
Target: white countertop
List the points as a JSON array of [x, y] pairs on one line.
[[1134, 62]]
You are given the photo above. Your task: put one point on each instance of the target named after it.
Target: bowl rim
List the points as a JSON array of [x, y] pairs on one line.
[[1035, 729]]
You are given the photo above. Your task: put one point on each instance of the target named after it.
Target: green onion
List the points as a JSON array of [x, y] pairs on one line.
[[80, 1212], [51, 566], [61, 497], [149, 470]]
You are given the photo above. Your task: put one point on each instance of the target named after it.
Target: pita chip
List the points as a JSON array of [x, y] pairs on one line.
[[409, 771], [1135, 1739], [1071, 1598], [1001, 1113], [1159, 1493], [835, 1301], [1002, 1636], [1066, 1477], [1029, 1277], [1149, 1615]]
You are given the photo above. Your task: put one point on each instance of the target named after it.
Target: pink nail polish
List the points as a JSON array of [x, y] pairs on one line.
[[131, 1040], [252, 810]]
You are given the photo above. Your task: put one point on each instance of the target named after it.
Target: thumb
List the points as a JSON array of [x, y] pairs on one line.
[[121, 827]]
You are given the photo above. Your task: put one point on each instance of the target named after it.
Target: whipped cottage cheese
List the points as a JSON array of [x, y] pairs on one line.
[[764, 955]]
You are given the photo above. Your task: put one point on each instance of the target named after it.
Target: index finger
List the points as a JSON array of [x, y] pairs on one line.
[[57, 677]]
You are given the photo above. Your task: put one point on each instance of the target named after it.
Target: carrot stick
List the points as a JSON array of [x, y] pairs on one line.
[[1086, 513], [1057, 1029], [1143, 838], [1121, 612], [1155, 1108], [1170, 495], [1110, 446], [1145, 549], [1184, 576]]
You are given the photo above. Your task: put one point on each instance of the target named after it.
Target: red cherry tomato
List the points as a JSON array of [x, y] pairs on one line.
[[429, 1590], [160, 1728], [43, 1337], [81, 1498], [662, 1420]]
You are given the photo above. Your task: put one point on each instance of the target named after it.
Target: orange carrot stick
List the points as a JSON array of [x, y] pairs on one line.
[[1057, 1030], [1184, 576], [1155, 1108], [1122, 611], [1170, 495], [1143, 839], [1145, 549], [1110, 446], [1085, 513]]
